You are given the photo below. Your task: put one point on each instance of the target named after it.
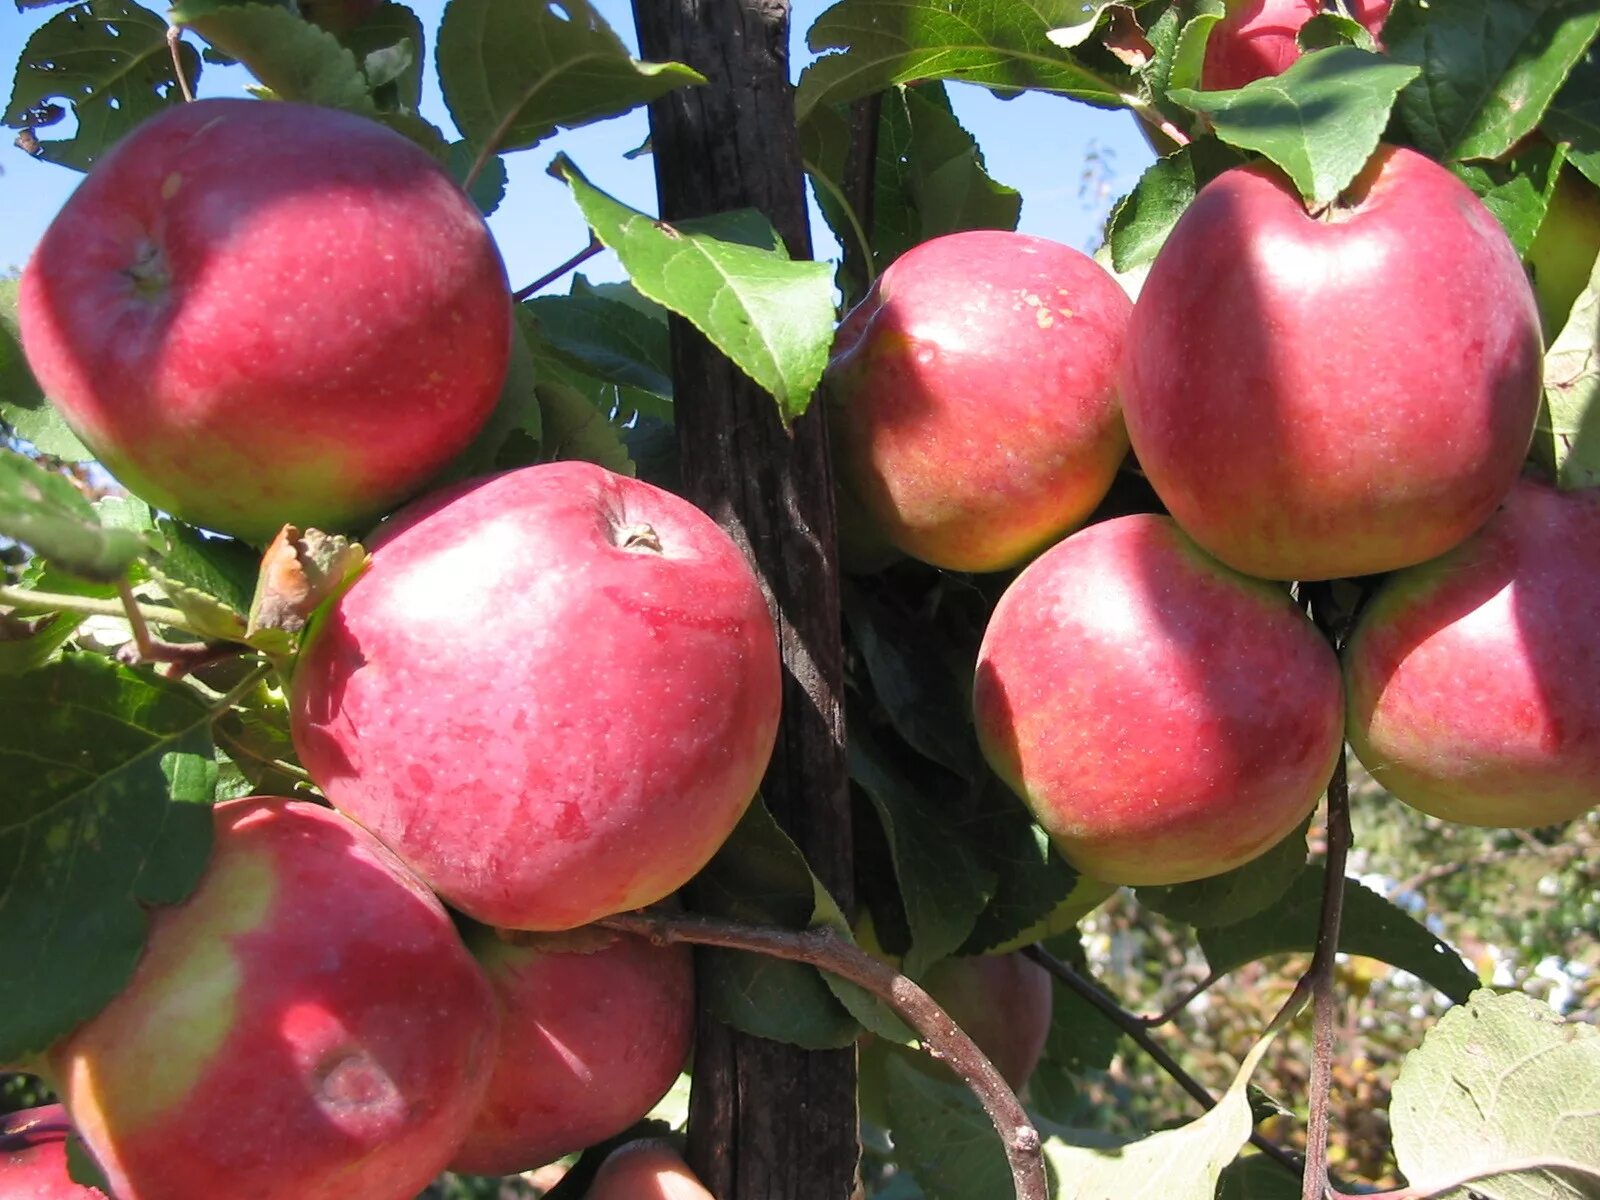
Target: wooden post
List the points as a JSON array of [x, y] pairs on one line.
[[767, 1121]]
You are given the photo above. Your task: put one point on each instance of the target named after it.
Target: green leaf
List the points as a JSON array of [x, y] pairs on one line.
[[575, 412], [1568, 434], [110, 61], [1517, 191], [1082, 1040], [44, 511], [488, 187], [1574, 115], [942, 887], [390, 45], [918, 690], [515, 71], [30, 642], [295, 58], [608, 340], [1000, 45], [107, 773], [1501, 1080], [1234, 895], [1333, 29], [930, 177], [1144, 217], [1372, 927], [22, 403], [942, 1136], [1189, 58], [208, 579], [1038, 893], [1319, 121], [1490, 68], [1174, 1164], [760, 875], [771, 316], [1257, 1177], [255, 750]]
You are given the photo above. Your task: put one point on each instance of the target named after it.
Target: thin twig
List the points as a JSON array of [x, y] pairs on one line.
[[1182, 1002], [1321, 977], [240, 690], [24, 600], [174, 41], [577, 260], [825, 949], [1131, 1025]]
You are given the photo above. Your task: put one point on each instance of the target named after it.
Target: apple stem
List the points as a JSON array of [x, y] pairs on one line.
[[826, 949], [25, 600], [1139, 1034], [1152, 116], [182, 657], [577, 260], [174, 41]]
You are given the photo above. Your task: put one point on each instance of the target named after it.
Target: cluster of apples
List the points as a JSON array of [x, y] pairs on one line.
[[1312, 396], [549, 697]]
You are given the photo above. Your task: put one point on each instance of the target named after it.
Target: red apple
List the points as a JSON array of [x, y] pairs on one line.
[[646, 1171], [306, 1026], [1260, 38], [1003, 1002], [972, 394], [33, 1157], [1164, 717], [1474, 679], [257, 313], [1324, 395], [594, 1028], [553, 694]]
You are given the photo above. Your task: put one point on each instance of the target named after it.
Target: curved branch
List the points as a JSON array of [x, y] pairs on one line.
[[25, 600], [825, 949]]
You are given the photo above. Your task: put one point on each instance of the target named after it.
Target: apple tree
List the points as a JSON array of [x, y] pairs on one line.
[[402, 667]]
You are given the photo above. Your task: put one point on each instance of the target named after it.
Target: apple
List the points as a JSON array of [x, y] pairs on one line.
[[1474, 679], [1564, 250], [646, 1170], [306, 1025], [594, 1028], [553, 694], [1003, 1002], [33, 1157], [258, 313], [1323, 395], [972, 397], [1260, 38], [1165, 718]]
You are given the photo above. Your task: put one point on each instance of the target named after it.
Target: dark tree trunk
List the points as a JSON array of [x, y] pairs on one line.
[[767, 1121]]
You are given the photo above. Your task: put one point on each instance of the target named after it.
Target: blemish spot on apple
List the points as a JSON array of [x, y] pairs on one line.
[[171, 185], [350, 1079]]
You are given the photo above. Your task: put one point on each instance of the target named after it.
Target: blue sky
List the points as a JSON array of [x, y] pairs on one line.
[[1037, 144]]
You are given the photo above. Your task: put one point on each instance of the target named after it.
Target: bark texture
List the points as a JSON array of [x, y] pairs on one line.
[[767, 1121]]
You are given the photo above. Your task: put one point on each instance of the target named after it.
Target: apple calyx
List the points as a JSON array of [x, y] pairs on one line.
[[148, 271], [640, 536]]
